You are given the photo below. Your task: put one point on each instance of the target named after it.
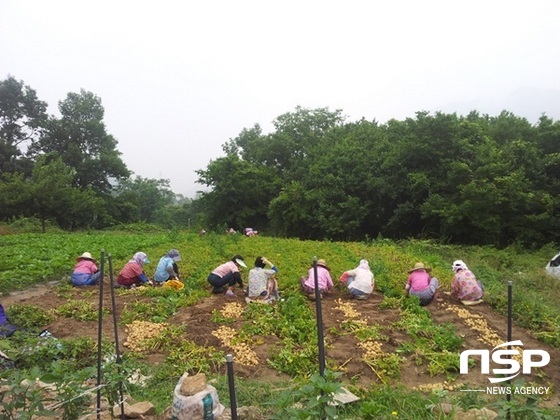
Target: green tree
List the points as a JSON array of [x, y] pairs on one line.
[[341, 182], [79, 137], [49, 195], [22, 117], [493, 193], [293, 212], [140, 199], [186, 213], [245, 181], [240, 192], [474, 179]]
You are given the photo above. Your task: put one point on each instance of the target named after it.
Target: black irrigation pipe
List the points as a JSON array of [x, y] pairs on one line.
[[320, 338], [509, 312], [117, 351], [99, 336], [232, 399]]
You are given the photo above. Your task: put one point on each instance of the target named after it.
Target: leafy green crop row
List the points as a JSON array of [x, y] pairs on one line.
[[27, 259]]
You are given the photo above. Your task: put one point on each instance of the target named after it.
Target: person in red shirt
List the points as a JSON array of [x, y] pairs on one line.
[[132, 273]]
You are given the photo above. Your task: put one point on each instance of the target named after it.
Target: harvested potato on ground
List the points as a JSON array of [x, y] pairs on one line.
[[244, 355], [232, 310], [348, 308], [139, 332]]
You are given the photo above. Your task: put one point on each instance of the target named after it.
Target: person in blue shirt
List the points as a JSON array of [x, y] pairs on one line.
[[167, 267]]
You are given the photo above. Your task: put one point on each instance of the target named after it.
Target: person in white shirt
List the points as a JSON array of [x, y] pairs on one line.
[[360, 281]]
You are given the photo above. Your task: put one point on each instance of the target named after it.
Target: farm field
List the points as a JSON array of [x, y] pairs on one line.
[[400, 359]]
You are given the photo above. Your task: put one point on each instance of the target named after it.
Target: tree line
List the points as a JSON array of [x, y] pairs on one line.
[[474, 179]]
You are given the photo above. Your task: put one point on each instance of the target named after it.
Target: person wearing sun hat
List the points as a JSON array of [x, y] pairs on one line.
[[324, 280], [85, 271], [465, 285], [224, 277], [421, 284], [167, 267], [133, 274]]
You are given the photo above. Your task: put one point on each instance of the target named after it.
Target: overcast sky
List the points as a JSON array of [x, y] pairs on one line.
[[178, 79]]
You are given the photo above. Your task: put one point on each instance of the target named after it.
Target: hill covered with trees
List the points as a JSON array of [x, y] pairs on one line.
[[464, 179]]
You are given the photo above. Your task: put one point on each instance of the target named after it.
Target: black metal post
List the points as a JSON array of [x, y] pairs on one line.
[[115, 326], [232, 399], [510, 287], [99, 335], [320, 338]]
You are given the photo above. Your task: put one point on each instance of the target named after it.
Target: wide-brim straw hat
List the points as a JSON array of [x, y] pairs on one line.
[[419, 266], [323, 263], [85, 256]]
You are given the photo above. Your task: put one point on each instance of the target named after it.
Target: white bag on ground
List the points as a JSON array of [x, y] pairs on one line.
[[204, 405]]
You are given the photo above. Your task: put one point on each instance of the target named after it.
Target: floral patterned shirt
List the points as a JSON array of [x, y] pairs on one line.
[[258, 277], [465, 286]]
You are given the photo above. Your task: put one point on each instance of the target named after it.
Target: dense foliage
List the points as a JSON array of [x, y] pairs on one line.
[[464, 179], [67, 171]]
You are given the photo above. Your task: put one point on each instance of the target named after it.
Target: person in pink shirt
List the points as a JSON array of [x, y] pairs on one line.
[[324, 280], [421, 284], [85, 272], [465, 285], [224, 277]]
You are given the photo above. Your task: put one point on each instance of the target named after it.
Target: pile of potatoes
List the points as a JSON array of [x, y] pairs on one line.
[[438, 386], [139, 332], [244, 355], [372, 349], [232, 310], [486, 334], [348, 309]]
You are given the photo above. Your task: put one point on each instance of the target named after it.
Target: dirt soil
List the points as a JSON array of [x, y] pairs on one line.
[[343, 349]]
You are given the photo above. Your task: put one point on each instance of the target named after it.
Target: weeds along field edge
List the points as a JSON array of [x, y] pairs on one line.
[[28, 259]]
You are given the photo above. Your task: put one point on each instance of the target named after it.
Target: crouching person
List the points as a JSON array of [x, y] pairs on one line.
[[132, 274], [421, 284], [85, 271], [360, 281]]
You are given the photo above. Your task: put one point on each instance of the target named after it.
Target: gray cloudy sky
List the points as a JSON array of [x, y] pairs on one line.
[[180, 78]]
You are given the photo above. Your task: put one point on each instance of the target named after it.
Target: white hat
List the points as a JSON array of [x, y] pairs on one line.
[[85, 256], [238, 259], [459, 265]]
